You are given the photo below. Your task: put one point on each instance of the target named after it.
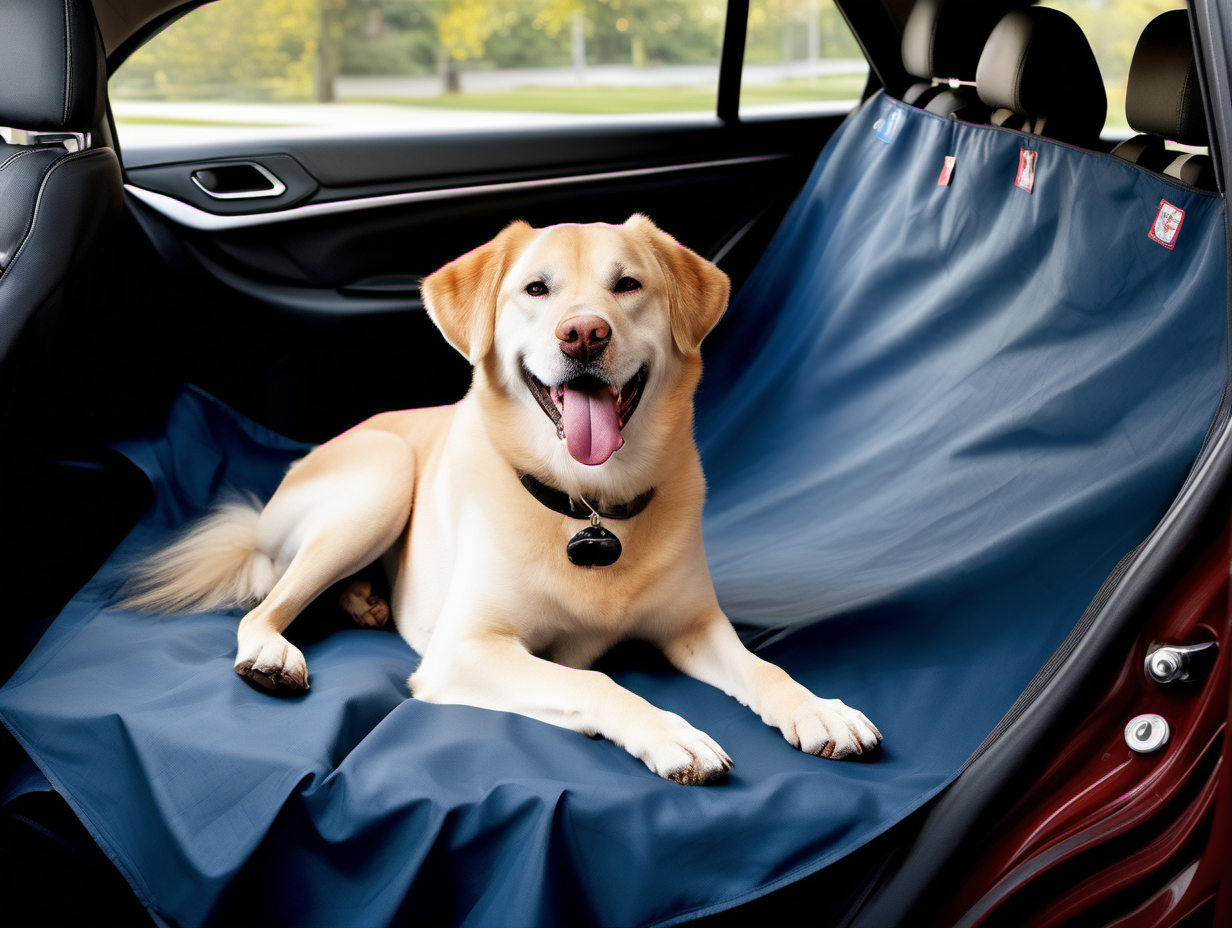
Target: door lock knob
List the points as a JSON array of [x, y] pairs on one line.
[[1178, 663]]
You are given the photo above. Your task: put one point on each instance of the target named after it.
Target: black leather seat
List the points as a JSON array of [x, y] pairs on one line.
[[59, 195], [941, 45], [60, 199], [1164, 103], [1038, 74]]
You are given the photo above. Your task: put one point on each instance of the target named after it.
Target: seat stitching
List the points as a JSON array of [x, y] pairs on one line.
[[1016, 92], [932, 45], [68, 62], [67, 158], [15, 156], [1186, 90]]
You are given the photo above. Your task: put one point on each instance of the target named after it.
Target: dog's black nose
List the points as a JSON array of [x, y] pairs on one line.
[[584, 338]]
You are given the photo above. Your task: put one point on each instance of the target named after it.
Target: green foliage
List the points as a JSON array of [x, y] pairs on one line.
[[656, 31], [1112, 27], [778, 31], [260, 49], [292, 49], [286, 49]]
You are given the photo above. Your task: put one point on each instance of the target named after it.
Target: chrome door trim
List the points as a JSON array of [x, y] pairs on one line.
[[187, 215]]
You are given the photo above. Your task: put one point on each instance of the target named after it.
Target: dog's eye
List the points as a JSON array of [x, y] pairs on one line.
[[536, 288], [627, 284]]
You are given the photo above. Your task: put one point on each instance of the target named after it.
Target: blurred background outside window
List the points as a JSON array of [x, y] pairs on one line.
[[1112, 27], [276, 68]]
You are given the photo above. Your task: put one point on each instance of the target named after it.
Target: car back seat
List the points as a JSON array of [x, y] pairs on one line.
[[941, 45], [1038, 74], [938, 414], [1163, 103]]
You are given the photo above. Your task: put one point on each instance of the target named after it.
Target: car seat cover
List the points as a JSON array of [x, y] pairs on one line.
[[999, 395]]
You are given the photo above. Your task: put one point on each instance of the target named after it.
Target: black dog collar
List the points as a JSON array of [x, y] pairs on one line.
[[593, 546], [560, 501]]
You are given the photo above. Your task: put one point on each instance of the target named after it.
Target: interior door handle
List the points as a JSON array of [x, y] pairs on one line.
[[242, 180]]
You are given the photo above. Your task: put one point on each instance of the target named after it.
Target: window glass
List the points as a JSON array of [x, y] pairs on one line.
[[800, 54], [280, 67], [1112, 27]]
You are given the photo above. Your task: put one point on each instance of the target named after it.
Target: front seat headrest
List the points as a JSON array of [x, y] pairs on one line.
[[1163, 101], [1162, 96], [943, 38], [942, 42], [1038, 66], [52, 68]]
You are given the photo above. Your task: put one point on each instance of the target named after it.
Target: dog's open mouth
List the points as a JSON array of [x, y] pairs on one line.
[[588, 413]]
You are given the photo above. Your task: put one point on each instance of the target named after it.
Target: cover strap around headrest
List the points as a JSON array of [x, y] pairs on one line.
[[943, 38], [52, 69]]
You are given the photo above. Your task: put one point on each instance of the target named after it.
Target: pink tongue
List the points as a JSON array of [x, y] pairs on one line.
[[592, 427]]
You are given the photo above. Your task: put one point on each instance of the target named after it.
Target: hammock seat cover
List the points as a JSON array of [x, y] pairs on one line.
[[936, 417]]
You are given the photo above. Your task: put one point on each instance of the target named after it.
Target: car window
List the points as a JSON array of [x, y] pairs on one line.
[[1112, 27], [273, 68], [799, 54]]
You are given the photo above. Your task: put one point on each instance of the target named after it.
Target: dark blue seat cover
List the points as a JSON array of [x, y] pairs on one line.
[[935, 418]]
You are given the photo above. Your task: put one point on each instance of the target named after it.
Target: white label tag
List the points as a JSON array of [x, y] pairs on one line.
[[888, 125], [1167, 224], [1026, 169]]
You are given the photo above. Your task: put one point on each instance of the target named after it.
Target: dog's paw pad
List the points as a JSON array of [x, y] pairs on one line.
[[684, 754], [273, 663], [697, 773], [829, 728], [364, 606]]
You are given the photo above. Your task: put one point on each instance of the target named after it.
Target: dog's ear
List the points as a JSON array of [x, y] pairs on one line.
[[697, 290], [461, 296]]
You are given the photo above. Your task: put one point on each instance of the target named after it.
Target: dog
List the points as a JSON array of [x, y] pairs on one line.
[[553, 512]]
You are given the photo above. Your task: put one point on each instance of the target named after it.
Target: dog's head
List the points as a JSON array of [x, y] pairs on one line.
[[588, 329]]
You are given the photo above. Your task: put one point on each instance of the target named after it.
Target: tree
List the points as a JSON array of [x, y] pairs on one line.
[[657, 31], [464, 27], [553, 18], [257, 49]]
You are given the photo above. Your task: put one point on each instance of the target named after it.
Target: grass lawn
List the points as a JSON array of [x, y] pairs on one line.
[[134, 120], [616, 100], [576, 100]]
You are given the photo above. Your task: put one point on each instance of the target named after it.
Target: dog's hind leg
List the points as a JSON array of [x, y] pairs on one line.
[[365, 607], [337, 511]]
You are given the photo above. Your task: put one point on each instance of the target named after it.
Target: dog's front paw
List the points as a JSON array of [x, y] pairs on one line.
[[829, 728], [678, 751], [273, 662]]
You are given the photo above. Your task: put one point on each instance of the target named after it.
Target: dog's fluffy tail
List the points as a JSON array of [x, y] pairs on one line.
[[215, 564]]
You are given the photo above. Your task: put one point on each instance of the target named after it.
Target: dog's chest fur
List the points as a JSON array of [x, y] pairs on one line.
[[482, 554]]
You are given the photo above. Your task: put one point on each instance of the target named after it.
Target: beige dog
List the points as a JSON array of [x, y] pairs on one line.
[[554, 511]]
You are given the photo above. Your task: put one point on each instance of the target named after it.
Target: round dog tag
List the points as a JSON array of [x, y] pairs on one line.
[[593, 546]]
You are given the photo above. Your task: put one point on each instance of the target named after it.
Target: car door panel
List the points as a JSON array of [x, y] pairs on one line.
[[324, 276]]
